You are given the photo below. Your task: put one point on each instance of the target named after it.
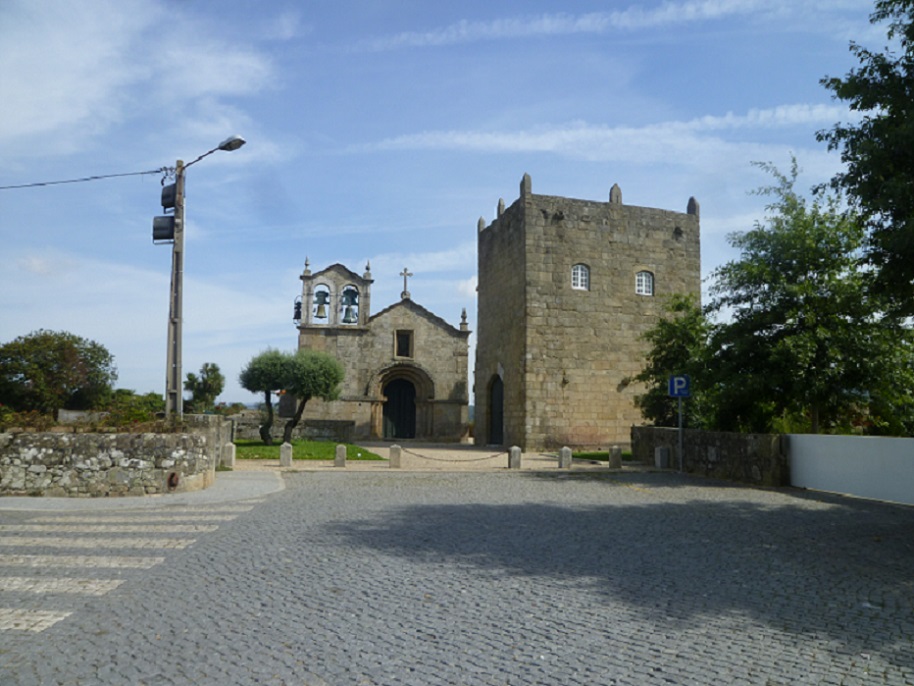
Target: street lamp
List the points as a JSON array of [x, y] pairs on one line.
[[172, 228]]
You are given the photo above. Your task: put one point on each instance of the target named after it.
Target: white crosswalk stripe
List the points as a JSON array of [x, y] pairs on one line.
[[150, 530], [80, 561], [109, 528], [133, 517], [12, 619], [55, 542], [24, 584]]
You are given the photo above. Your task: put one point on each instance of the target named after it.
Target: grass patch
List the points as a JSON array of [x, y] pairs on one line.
[[601, 455], [301, 450]]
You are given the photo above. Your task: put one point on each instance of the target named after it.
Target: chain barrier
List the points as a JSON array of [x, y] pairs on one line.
[[443, 459]]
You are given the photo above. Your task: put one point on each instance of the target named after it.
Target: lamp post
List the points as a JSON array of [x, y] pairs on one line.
[[174, 392]]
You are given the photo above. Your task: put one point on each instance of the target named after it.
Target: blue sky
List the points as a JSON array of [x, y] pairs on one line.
[[377, 131]]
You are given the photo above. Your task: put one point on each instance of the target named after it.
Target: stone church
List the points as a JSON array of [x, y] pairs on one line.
[[566, 290], [406, 368]]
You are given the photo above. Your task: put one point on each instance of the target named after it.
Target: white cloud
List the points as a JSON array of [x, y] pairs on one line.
[[125, 309], [63, 64], [72, 71], [190, 67], [467, 287], [689, 141], [285, 26], [451, 259], [635, 17]]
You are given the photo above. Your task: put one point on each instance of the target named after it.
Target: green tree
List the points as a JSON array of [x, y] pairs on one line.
[[679, 344], [204, 389], [310, 374], [265, 373], [878, 149], [126, 406], [804, 336], [803, 344], [47, 371]]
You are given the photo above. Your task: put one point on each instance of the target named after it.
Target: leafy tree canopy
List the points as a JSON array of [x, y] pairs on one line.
[[804, 338], [311, 374], [204, 389], [265, 373], [47, 371], [878, 149], [679, 344]]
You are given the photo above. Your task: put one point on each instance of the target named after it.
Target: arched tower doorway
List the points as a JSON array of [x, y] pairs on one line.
[[496, 412], [400, 409]]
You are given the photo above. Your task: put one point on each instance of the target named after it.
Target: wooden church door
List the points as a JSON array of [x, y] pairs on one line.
[[400, 409]]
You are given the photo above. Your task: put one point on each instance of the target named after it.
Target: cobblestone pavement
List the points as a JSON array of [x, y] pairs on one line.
[[417, 578]]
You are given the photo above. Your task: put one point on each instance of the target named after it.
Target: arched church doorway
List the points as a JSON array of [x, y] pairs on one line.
[[400, 409], [496, 412]]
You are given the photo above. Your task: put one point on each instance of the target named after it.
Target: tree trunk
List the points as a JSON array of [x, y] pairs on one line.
[[292, 423], [815, 418], [265, 429]]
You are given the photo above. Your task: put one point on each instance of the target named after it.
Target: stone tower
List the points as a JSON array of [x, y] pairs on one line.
[[566, 289]]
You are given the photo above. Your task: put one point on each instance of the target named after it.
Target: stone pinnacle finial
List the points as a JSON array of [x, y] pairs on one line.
[[463, 320], [693, 207], [367, 274], [526, 185], [615, 194]]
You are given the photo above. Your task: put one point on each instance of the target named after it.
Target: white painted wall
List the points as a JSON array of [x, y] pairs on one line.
[[863, 466]]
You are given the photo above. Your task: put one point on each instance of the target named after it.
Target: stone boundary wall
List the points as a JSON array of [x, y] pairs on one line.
[[247, 427], [94, 464], [218, 431], [759, 459]]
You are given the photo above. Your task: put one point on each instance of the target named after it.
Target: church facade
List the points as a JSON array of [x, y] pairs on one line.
[[406, 368], [566, 290]]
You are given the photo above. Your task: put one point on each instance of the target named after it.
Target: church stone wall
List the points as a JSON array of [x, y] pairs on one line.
[[579, 347], [437, 365]]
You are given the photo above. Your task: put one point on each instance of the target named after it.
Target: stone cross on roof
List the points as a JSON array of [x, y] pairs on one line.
[[405, 274]]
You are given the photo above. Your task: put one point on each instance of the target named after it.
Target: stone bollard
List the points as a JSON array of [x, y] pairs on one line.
[[514, 457], [565, 458], [395, 457], [285, 455], [615, 457], [228, 456], [339, 459]]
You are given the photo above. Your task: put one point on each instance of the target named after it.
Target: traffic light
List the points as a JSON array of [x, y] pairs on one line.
[[163, 229], [169, 196]]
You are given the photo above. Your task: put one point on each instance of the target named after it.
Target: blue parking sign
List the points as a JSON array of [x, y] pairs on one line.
[[680, 386]]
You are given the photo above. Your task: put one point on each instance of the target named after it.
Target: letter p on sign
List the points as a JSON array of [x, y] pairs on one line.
[[680, 386]]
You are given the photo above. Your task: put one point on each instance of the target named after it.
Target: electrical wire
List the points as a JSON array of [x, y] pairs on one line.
[[160, 170]]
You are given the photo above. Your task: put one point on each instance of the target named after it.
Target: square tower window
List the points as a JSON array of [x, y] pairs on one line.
[[580, 277], [644, 283], [403, 343]]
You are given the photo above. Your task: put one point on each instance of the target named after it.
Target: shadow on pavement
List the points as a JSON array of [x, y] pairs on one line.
[[820, 566]]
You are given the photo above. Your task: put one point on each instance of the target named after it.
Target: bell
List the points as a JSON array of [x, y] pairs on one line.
[[349, 316], [321, 298]]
